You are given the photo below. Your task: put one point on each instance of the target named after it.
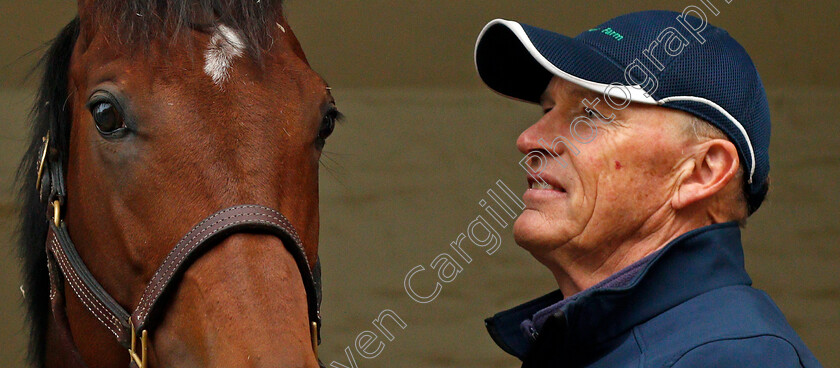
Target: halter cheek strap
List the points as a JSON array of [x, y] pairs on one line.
[[131, 330]]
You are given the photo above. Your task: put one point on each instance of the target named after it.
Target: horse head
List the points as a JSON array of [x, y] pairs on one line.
[[159, 114]]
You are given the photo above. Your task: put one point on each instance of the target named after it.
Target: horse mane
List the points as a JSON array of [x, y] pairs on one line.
[[141, 21], [48, 113], [137, 22]]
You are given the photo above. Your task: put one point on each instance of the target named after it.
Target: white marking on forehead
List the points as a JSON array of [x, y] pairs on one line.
[[281, 27], [225, 45]]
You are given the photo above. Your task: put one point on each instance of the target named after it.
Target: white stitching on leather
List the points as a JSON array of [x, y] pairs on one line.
[[91, 302], [53, 286], [180, 253]]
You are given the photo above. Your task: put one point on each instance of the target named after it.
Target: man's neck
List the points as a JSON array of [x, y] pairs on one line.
[[577, 272]]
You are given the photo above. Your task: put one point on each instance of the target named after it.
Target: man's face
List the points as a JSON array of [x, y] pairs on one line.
[[607, 192]]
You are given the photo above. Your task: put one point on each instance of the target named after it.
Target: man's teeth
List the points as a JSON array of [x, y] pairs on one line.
[[543, 185]]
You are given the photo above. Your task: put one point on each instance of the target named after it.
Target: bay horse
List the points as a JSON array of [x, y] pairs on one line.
[[153, 116]]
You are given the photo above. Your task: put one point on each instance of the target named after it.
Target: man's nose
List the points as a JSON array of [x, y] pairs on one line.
[[529, 139], [538, 137]]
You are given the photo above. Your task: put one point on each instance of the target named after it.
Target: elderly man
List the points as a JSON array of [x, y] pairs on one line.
[[652, 149]]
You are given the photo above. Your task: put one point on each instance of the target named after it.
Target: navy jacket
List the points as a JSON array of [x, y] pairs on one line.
[[687, 305]]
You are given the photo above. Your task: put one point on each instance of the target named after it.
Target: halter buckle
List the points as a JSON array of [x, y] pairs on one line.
[[46, 140], [139, 360], [313, 331]]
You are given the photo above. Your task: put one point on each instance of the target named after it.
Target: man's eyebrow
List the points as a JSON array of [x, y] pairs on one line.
[[577, 94], [545, 97], [581, 93], [543, 100]]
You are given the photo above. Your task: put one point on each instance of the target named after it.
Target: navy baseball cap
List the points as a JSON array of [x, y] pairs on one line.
[[670, 59]]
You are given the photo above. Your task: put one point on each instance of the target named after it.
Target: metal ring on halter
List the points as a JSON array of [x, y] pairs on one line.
[[57, 212]]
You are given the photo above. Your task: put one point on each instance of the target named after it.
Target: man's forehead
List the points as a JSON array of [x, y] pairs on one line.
[[561, 91], [559, 88]]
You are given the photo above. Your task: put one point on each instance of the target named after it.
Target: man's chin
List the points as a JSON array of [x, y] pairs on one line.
[[532, 232]]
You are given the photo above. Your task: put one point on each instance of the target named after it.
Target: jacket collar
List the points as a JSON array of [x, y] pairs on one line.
[[698, 261]]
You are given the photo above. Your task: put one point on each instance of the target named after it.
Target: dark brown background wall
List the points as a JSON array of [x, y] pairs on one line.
[[429, 43]]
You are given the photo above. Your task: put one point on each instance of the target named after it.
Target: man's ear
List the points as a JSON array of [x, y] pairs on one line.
[[715, 164]]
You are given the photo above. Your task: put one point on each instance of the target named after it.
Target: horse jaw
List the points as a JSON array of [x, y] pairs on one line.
[[242, 304]]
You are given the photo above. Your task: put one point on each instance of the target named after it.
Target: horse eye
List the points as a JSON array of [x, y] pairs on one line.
[[107, 118], [327, 126]]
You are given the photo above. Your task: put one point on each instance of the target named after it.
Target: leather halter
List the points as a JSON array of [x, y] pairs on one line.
[[131, 330]]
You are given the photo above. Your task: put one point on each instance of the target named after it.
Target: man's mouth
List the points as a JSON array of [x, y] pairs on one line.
[[543, 185]]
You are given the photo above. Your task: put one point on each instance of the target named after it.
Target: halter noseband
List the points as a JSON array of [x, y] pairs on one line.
[[131, 330]]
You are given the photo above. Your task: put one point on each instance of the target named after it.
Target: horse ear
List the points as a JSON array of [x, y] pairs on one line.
[[86, 9], [83, 6]]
